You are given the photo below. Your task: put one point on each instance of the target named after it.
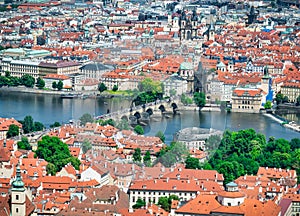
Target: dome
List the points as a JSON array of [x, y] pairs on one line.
[[18, 183]]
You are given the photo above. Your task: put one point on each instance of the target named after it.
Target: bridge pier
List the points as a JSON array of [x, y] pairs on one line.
[[143, 113]]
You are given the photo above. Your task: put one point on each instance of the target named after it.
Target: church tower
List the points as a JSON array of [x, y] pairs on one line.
[[265, 80], [211, 33], [18, 196]]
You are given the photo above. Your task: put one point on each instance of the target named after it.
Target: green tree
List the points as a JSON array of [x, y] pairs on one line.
[[279, 98], [86, 145], [148, 85], [161, 135], [139, 204], [102, 87], [60, 85], [147, 159], [213, 142], [14, 81], [40, 83], [54, 85], [245, 151], [295, 144], [199, 99], [24, 144], [298, 101], [165, 202], [268, 105], [28, 80], [192, 163], [27, 124], [123, 125], [54, 151], [115, 88], [38, 126], [13, 130], [146, 97], [107, 122], [139, 130], [85, 118], [137, 155], [55, 124], [186, 100], [51, 169], [285, 99], [176, 152]]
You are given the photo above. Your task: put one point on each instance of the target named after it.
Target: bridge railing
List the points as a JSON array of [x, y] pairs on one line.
[[127, 110]]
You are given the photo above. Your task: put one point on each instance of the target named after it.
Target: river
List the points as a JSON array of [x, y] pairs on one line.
[[48, 109]]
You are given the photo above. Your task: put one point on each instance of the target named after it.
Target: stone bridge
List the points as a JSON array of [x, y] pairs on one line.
[[142, 113]]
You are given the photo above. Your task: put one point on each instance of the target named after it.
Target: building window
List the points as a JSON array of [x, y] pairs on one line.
[[17, 197], [17, 210]]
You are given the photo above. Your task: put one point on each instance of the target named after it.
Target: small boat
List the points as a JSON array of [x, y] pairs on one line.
[[105, 103], [70, 95]]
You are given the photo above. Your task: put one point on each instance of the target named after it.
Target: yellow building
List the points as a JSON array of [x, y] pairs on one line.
[[291, 90], [247, 100]]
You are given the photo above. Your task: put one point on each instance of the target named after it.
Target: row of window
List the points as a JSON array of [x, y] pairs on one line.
[[160, 193], [246, 107]]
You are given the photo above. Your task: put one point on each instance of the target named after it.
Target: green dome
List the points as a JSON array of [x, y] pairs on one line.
[[18, 183]]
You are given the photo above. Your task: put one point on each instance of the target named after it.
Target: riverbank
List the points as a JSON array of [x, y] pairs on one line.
[[22, 89]]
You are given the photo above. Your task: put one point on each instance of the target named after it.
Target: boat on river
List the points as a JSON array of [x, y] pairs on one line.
[[71, 95]]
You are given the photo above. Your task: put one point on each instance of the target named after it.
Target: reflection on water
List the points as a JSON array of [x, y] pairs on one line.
[[48, 109], [221, 121], [290, 115]]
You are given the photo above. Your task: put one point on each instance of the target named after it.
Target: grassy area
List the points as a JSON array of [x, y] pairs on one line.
[[120, 92]]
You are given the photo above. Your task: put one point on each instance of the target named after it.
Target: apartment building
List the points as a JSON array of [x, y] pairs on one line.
[[247, 100], [18, 68]]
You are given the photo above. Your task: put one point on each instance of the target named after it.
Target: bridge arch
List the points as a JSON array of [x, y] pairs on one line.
[[149, 111], [124, 117], [174, 105], [162, 108], [137, 115]]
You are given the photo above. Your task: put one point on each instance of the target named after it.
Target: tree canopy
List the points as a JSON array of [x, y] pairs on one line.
[[199, 99], [13, 130], [176, 152], [137, 155], [24, 144], [40, 83], [28, 80], [268, 105], [243, 152], [60, 85], [147, 159], [139, 129], [139, 204], [30, 126], [86, 145], [85, 118], [165, 202], [115, 88], [148, 85], [161, 135], [102, 87], [55, 124], [54, 151]]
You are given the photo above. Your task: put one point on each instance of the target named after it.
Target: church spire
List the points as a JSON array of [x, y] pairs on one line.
[[18, 183]]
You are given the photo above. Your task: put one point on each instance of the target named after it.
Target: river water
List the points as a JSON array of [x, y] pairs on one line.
[[48, 109]]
